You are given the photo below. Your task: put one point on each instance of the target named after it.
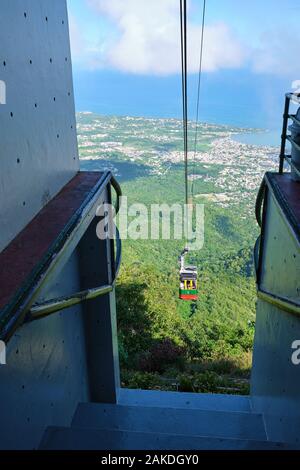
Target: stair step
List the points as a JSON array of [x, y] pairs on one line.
[[56, 438], [170, 421], [201, 401]]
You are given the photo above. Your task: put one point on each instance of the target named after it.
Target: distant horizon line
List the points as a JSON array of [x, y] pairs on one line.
[[255, 129]]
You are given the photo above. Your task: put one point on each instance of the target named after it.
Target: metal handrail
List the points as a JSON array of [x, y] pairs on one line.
[[291, 140], [21, 310], [293, 96], [295, 119], [283, 303], [44, 309], [259, 201], [284, 136], [256, 254], [118, 191], [288, 158]]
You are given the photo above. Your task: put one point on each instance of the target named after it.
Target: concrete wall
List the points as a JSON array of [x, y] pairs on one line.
[[38, 144], [281, 257], [53, 363], [275, 382], [100, 319], [46, 375], [57, 362]]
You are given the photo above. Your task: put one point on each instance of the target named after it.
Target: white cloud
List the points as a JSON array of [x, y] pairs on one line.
[[143, 37], [85, 51], [148, 40], [76, 38], [278, 54]]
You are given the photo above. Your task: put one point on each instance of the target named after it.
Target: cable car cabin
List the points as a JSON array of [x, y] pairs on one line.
[[188, 283]]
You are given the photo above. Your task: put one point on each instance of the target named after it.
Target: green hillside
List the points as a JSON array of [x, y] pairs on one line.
[[163, 342]]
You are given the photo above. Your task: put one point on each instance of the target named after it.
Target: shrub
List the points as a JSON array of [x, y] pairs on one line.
[[162, 354], [143, 380]]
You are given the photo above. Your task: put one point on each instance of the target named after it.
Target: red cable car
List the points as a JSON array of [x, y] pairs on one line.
[[188, 277]]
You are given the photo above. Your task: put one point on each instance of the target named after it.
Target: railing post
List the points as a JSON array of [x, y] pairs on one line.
[[96, 263], [284, 132]]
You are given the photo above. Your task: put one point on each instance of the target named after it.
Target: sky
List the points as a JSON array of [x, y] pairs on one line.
[[126, 58]]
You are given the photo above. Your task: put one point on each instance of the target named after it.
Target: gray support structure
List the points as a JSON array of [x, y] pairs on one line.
[[38, 150], [45, 375], [100, 318], [275, 381], [72, 356]]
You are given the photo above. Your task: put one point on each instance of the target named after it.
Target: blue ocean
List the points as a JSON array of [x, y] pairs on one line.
[[242, 99]]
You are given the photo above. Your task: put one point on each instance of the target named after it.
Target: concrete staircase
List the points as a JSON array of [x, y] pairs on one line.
[[163, 421]]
